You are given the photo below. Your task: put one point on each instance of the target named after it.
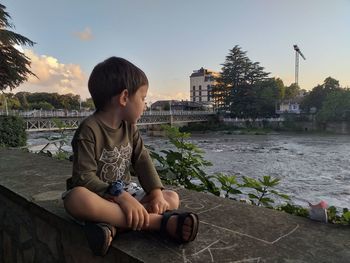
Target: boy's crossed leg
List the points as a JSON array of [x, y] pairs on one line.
[[85, 205]]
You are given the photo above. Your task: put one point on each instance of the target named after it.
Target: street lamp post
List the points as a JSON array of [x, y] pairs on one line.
[[7, 111]]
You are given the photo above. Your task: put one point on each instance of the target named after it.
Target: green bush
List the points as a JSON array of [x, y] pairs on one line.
[[12, 131]]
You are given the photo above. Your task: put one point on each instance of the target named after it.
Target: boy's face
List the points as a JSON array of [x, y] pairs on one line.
[[135, 105]]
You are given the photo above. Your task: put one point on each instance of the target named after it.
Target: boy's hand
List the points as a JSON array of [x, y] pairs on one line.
[[136, 215], [157, 204]]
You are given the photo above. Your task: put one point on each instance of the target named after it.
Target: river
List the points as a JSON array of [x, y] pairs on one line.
[[311, 167]]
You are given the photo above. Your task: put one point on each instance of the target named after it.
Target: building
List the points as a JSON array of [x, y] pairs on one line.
[[201, 82], [289, 106]]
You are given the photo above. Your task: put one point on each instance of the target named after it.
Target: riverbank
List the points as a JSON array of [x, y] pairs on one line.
[[291, 124], [223, 128]]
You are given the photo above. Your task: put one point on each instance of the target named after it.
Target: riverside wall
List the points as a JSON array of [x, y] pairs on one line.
[[35, 228]]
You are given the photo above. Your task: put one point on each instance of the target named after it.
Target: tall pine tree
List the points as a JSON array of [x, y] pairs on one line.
[[14, 65], [235, 90]]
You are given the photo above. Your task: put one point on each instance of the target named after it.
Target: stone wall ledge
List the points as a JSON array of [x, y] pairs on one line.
[[35, 228]]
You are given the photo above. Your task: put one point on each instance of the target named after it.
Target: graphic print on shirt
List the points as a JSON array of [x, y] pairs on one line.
[[115, 163]]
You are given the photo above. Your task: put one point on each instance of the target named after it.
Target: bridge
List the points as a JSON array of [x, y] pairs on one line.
[[39, 120]]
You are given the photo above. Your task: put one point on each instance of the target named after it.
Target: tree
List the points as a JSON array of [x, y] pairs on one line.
[[318, 94], [14, 65], [22, 98], [331, 84], [235, 89], [243, 102], [281, 88], [291, 91], [42, 105], [268, 94], [88, 103], [12, 102], [70, 101], [336, 106]]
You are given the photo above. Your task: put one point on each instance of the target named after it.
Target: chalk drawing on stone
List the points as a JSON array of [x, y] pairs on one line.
[[210, 251], [248, 260], [253, 237]]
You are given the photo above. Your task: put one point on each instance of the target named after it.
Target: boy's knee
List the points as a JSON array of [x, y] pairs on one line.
[[76, 199], [172, 197]]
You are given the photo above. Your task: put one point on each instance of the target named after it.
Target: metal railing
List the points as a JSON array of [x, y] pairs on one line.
[[254, 120], [76, 113]]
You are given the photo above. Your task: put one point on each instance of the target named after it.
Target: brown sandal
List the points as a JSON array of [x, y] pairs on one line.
[[179, 226], [98, 236]]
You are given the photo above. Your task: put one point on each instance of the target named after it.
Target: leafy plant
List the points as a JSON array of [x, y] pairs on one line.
[[335, 218], [263, 190], [229, 184], [294, 210], [183, 165]]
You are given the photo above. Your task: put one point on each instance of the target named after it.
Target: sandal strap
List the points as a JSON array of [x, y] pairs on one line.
[[180, 223], [97, 237], [113, 229], [165, 219]]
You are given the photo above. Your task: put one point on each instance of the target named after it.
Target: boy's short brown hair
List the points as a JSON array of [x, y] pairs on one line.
[[110, 77]]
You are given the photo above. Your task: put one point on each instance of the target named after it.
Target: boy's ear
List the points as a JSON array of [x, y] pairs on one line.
[[123, 98]]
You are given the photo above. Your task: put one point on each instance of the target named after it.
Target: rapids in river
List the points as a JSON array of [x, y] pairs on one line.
[[311, 167]]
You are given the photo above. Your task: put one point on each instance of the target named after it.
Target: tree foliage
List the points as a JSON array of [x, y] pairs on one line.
[[318, 94], [336, 106], [291, 91], [44, 101], [243, 86], [14, 65], [88, 104]]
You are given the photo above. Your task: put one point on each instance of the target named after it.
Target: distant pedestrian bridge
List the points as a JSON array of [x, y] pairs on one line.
[[39, 120]]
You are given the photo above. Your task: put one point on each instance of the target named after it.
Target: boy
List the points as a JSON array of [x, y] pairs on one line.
[[104, 146]]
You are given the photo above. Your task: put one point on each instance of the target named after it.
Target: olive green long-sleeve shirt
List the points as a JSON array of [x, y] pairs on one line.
[[103, 155]]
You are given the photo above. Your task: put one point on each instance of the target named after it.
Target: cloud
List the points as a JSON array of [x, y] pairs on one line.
[[53, 76], [85, 35]]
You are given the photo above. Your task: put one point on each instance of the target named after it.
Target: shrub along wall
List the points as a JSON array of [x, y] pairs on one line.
[[12, 131]]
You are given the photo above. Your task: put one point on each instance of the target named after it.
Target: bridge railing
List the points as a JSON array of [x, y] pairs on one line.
[[76, 113], [177, 112], [46, 113], [280, 119]]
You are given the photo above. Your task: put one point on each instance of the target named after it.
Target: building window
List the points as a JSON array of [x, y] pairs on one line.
[[194, 88]]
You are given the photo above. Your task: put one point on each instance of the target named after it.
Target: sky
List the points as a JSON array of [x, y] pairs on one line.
[[169, 39]]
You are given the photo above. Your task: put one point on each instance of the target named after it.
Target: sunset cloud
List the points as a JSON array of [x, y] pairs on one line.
[[84, 35], [53, 76]]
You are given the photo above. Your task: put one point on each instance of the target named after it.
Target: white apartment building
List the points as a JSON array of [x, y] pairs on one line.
[[201, 82]]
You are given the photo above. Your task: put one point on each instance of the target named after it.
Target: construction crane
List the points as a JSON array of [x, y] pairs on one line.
[[297, 53]]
